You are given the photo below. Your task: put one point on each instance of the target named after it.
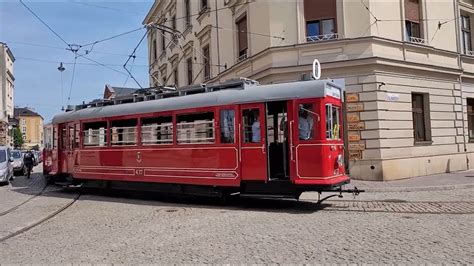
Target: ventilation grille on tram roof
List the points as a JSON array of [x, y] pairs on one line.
[[160, 92]]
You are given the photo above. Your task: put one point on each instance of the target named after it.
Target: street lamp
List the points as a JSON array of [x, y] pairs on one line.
[[61, 69]]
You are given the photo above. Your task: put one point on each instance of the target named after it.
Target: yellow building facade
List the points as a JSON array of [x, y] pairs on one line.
[[30, 124]]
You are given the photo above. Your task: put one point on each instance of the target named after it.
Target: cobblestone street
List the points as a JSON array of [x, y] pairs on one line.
[[117, 227]]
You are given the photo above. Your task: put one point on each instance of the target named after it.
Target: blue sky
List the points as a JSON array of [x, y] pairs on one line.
[[38, 83]]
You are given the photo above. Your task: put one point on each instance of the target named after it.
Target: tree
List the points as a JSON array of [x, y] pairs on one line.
[[17, 138]]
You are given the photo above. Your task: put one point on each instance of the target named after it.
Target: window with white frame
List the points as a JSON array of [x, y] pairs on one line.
[[95, 134], [466, 34], [157, 130], [123, 132], [333, 124], [195, 128]]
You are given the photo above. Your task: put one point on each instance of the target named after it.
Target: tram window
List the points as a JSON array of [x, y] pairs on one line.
[[63, 138], [306, 121], [95, 134], [48, 137], [251, 118], [71, 137], [332, 122], [195, 128], [123, 132], [157, 130], [55, 138], [227, 126], [77, 134]]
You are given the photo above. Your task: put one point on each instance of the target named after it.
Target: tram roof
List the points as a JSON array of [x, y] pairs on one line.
[[247, 93]]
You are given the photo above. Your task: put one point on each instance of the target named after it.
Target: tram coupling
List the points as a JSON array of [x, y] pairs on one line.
[[355, 192]]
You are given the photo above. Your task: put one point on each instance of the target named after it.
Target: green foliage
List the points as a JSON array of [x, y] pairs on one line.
[[17, 138]]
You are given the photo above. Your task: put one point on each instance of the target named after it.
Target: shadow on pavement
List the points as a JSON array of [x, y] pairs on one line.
[[36, 183]]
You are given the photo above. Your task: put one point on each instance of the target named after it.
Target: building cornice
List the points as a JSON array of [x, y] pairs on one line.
[[447, 69], [152, 12]]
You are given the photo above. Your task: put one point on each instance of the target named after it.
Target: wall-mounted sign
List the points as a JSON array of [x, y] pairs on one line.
[[352, 97], [355, 155], [353, 117], [353, 136], [356, 146], [355, 107], [393, 97], [356, 126]]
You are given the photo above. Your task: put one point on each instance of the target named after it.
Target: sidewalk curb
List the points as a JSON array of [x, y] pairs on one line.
[[414, 189]]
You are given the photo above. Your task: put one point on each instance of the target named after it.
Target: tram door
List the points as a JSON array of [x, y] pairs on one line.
[[71, 144], [253, 160], [63, 148]]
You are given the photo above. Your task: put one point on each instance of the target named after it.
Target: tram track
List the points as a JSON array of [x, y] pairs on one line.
[[24, 202], [40, 221]]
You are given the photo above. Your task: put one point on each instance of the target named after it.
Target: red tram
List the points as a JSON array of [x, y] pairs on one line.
[[235, 137]]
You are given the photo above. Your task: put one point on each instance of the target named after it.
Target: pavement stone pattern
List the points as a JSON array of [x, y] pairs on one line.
[[101, 227], [463, 179]]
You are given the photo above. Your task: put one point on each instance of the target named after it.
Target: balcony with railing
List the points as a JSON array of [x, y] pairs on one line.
[[324, 37], [417, 40]]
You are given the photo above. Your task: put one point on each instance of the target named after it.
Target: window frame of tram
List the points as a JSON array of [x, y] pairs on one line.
[[227, 126], [251, 126], [308, 117], [123, 132], [92, 130], [333, 126], [157, 130], [190, 125]]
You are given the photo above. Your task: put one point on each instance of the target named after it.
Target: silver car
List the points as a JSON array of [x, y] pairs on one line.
[[18, 164], [6, 165]]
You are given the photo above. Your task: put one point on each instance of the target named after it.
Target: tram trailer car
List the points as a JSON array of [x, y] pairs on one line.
[[233, 138]]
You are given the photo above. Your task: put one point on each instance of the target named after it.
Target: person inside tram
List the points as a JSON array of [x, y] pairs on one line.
[[305, 124], [256, 129]]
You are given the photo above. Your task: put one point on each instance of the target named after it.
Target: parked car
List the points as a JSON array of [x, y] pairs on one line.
[[36, 154], [6, 166], [18, 164]]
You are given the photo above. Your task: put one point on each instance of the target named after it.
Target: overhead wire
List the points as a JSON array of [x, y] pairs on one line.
[[103, 65], [249, 32], [71, 63], [44, 23], [208, 11], [106, 7], [72, 80], [132, 55], [112, 37], [62, 48]]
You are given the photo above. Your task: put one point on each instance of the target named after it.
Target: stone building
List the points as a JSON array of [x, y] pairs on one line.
[[31, 126], [6, 93], [408, 67]]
